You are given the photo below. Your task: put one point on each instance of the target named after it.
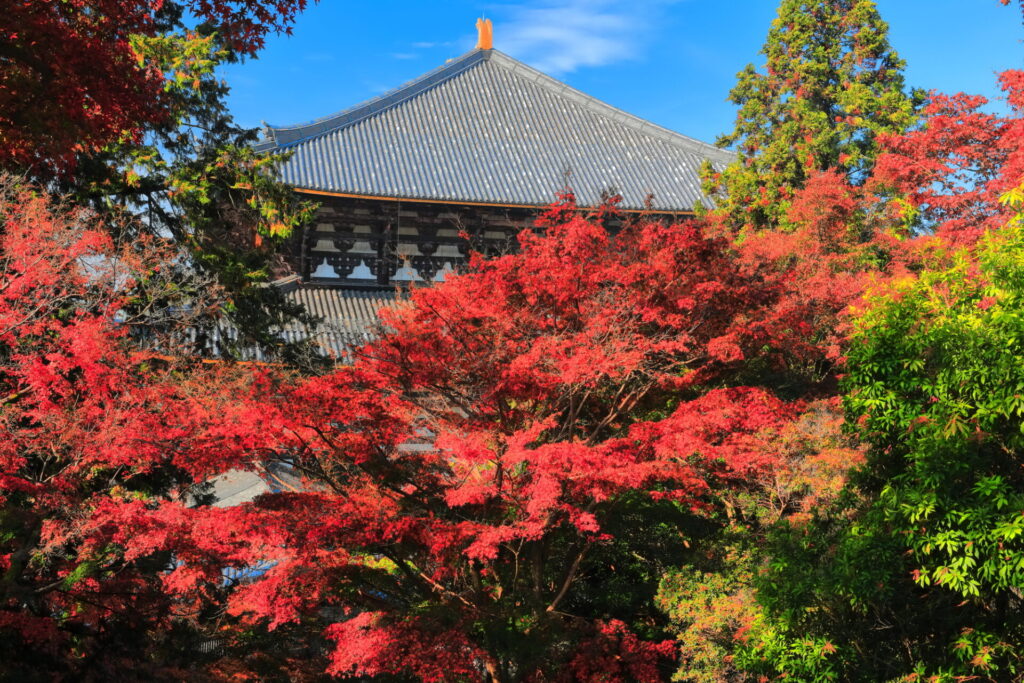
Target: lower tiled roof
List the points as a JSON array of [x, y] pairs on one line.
[[349, 317]]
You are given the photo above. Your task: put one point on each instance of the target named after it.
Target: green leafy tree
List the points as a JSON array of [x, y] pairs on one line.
[[831, 85], [192, 175], [710, 598], [919, 572]]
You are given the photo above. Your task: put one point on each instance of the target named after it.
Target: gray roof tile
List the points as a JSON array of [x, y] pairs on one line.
[[349, 317], [487, 128], [348, 320]]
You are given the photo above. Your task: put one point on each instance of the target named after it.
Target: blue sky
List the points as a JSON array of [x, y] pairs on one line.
[[669, 61]]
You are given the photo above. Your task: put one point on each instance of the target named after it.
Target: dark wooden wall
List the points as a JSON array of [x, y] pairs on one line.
[[375, 244], [389, 237]]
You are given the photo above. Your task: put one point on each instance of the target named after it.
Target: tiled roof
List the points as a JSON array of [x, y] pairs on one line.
[[349, 320], [349, 316], [488, 128]]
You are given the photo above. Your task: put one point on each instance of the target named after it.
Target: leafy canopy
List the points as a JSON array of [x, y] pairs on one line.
[[920, 561], [504, 444], [76, 76]]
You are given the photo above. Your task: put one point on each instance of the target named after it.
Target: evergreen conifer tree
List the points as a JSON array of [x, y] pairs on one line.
[[830, 86]]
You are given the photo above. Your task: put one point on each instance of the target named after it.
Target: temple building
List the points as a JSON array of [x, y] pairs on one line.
[[477, 147], [462, 157]]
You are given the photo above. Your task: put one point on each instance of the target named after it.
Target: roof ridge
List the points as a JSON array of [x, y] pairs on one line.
[[280, 136]]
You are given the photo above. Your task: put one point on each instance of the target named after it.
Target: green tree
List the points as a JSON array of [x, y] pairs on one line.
[[920, 570], [191, 174], [831, 85]]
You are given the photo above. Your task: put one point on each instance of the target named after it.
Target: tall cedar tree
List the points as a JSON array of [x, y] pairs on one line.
[[830, 86]]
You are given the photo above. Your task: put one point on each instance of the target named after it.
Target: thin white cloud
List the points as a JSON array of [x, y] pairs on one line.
[[431, 45], [404, 55], [319, 57], [560, 36]]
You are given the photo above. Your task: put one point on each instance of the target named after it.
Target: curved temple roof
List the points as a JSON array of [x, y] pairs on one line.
[[488, 128]]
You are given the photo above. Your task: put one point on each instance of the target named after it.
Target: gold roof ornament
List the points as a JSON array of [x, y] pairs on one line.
[[485, 34]]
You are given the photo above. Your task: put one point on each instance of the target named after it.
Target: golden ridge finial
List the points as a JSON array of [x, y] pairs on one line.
[[485, 34]]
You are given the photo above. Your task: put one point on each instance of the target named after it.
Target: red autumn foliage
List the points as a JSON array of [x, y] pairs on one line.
[[457, 479], [462, 473], [944, 178], [369, 644], [94, 434], [955, 168], [460, 477], [838, 241], [70, 81], [616, 654]]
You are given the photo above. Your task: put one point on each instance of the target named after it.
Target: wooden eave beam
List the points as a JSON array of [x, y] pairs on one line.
[[444, 202]]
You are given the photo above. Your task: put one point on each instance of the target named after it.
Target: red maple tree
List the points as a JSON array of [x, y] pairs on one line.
[[954, 169], [461, 479], [463, 482], [72, 79], [95, 432]]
